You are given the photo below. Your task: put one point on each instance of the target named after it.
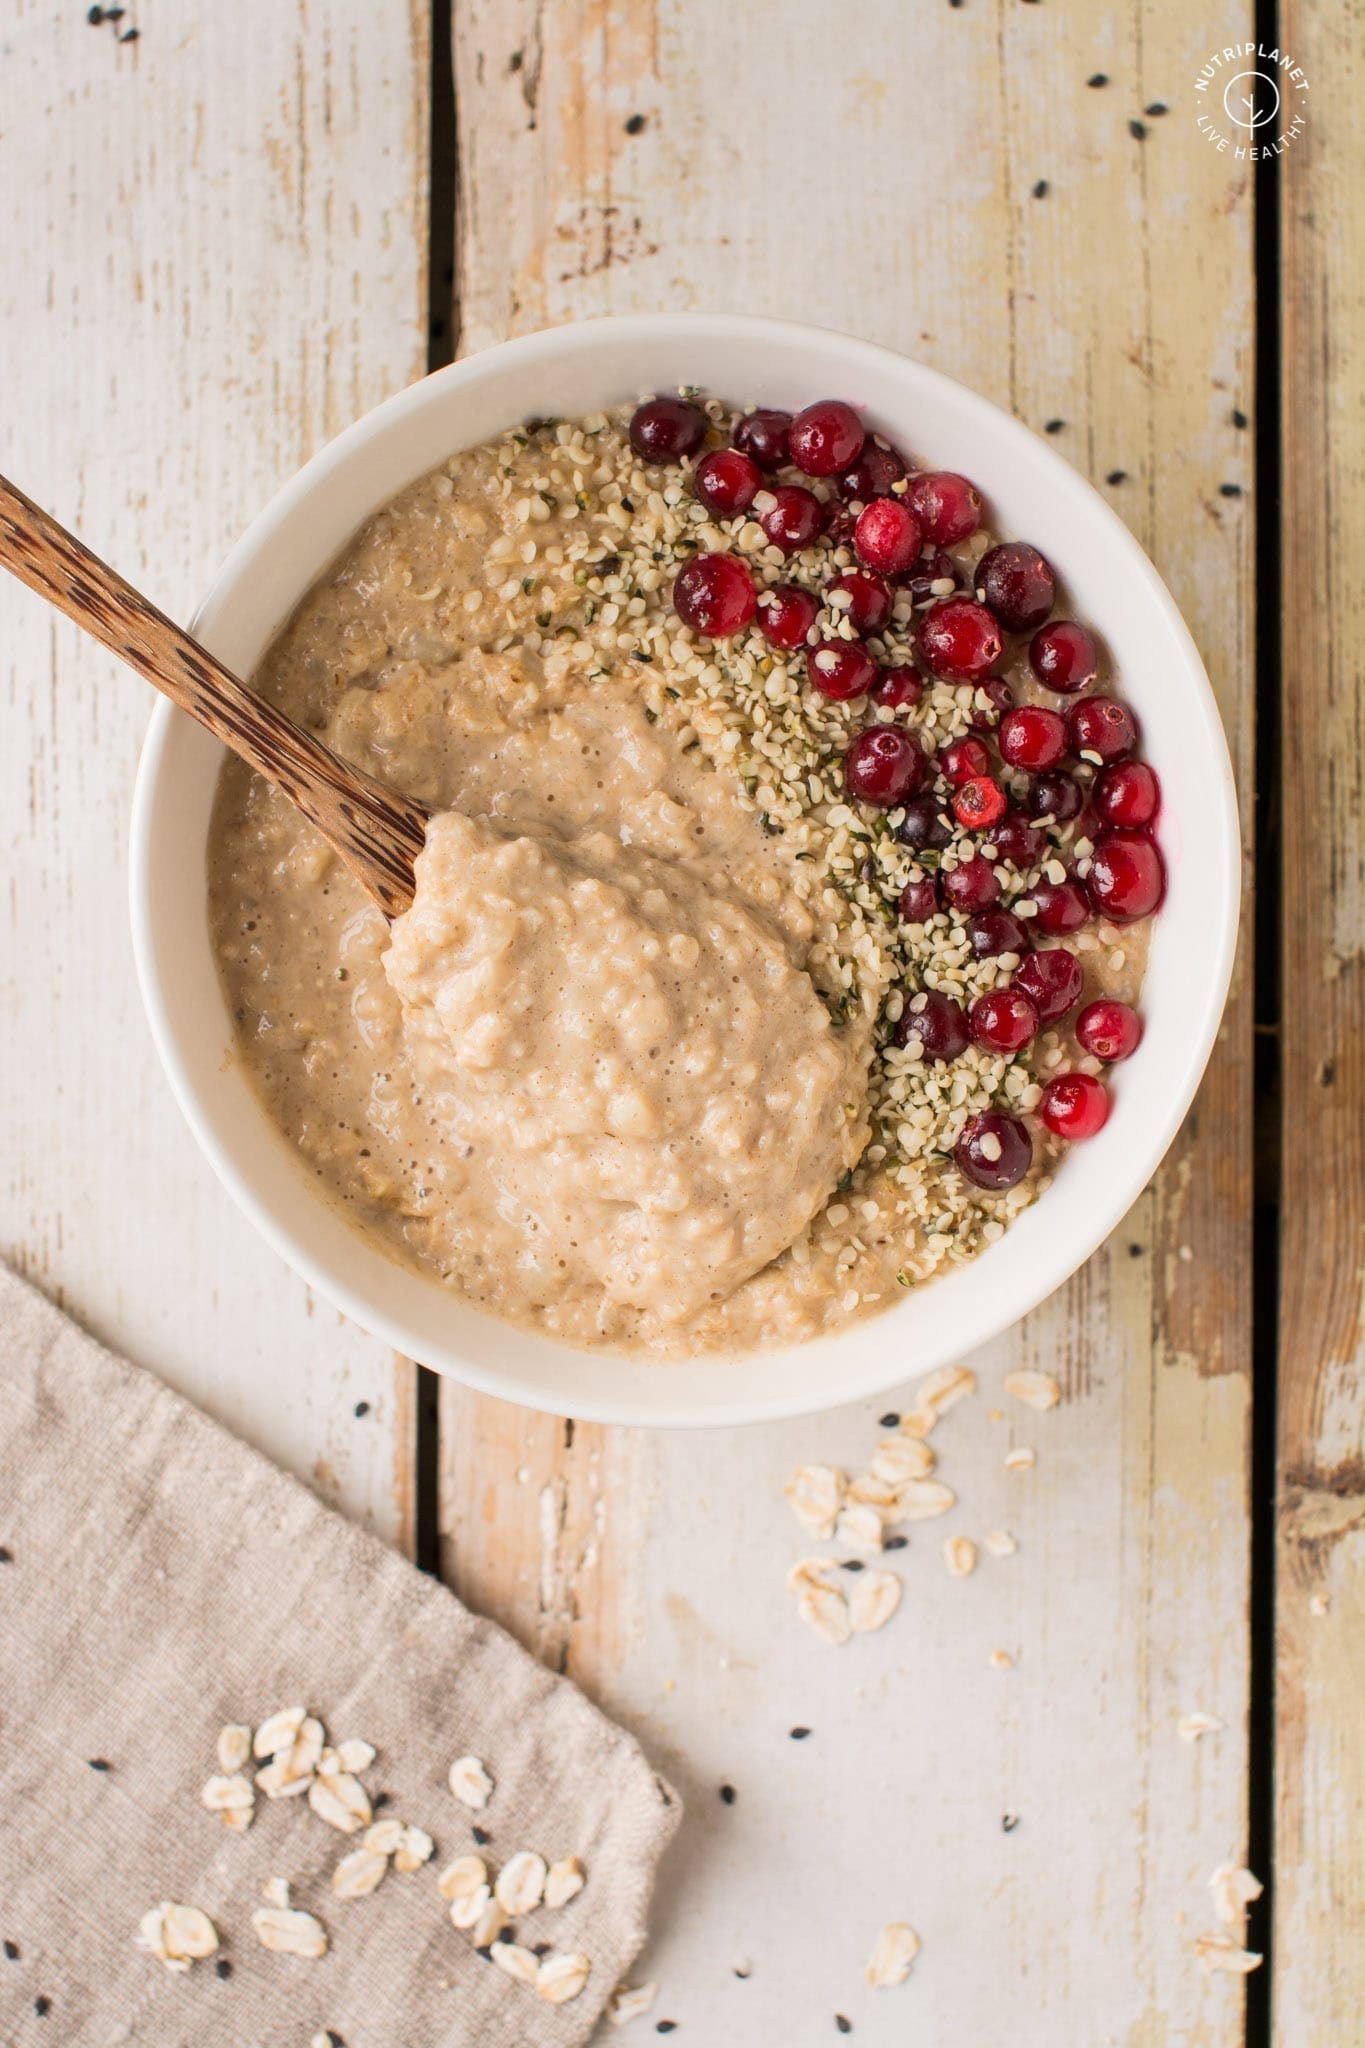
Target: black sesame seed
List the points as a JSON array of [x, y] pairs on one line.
[[114, 13], [743, 1972], [727, 1793], [635, 124], [895, 1543], [627, 504], [1117, 476], [1009, 1822], [379, 1799], [6, 1556], [1229, 490], [99, 1763], [1040, 189], [843, 2023], [95, 16], [11, 1949], [130, 35], [1157, 109], [1135, 1251], [1098, 78], [481, 1836], [851, 1564], [1239, 418], [665, 2026], [1138, 130], [42, 2006], [954, 3], [889, 1421], [362, 1408], [542, 1948], [1054, 426], [798, 1734]]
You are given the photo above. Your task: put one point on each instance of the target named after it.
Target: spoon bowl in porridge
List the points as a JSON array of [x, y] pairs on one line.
[[603, 702]]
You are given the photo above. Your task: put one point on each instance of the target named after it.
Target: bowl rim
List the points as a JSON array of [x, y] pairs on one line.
[[509, 1384]]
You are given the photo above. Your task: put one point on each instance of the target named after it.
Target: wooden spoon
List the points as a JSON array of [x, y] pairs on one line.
[[377, 832]]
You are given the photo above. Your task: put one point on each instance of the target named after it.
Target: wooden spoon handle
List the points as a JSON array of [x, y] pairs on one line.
[[377, 832]]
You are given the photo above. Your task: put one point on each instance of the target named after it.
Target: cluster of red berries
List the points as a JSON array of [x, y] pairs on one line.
[[899, 523]]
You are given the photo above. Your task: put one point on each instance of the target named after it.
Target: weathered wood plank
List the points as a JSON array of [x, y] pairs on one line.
[[1319, 1988], [841, 170], [218, 261]]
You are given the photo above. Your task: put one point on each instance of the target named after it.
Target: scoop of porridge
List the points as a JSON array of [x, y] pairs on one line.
[[653, 1091]]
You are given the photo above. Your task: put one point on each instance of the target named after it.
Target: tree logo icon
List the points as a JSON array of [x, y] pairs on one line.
[[1251, 99]]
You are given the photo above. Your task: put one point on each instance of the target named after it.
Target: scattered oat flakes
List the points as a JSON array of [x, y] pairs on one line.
[[873, 1601], [936, 1393], [1191, 1726], [898, 1458], [470, 1783], [234, 1748], [999, 1543], [520, 1884], [808, 1572], [1221, 1952], [1233, 1890], [875, 1493], [1020, 1459], [230, 1798], [290, 1933], [383, 1836], [565, 1880], [415, 1849], [467, 1909], [341, 1801], [488, 1923], [177, 1935], [277, 1734], [515, 1961], [561, 1978], [462, 1878], [860, 1527], [814, 1494], [630, 2002], [892, 1954], [275, 1891], [1001, 1660], [278, 1782], [920, 1499], [824, 1609], [959, 1554], [356, 1755], [359, 1873], [1035, 1389]]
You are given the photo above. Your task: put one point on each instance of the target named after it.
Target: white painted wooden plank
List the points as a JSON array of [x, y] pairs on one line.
[[215, 256], [877, 171]]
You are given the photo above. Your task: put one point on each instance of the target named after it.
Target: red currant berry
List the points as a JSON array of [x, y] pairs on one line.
[[666, 429], [872, 475], [1110, 1030], [1064, 656], [971, 886], [937, 1023], [841, 669], [786, 615], [1003, 1020], [887, 536], [1063, 907], [898, 686], [794, 520], [868, 599], [919, 900], [946, 505], [1126, 794], [1032, 738], [762, 436], [961, 759], [726, 481], [883, 766], [1127, 879], [1101, 725], [826, 437], [994, 1152], [977, 804], [1052, 981], [715, 595], [1075, 1106], [959, 640], [1017, 583]]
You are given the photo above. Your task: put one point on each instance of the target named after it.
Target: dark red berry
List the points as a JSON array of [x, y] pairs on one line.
[[1126, 794], [1017, 583], [887, 536], [898, 686], [883, 766], [666, 429], [1126, 878], [1063, 907], [977, 804], [1100, 725], [841, 668], [1003, 1020], [1052, 982], [762, 436], [959, 639], [794, 520], [946, 505], [1032, 738], [919, 579], [1018, 841], [872, 475], [972, 885], [826, 437], [999, 699], [993, 932], [786, 615], [1109, 1030], [994, 1151], [726, 481], [961, 759], [715, 594], [1056, 795], [1064, 656], [1075, 1106], [937, 1022], [869, 599], [922, 826], [919, 900]]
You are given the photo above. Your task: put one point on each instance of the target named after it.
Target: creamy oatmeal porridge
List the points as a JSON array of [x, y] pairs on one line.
[[786, 899]]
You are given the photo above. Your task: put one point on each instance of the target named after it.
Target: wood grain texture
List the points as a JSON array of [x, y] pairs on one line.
[[1319, 1990], [879, 170], [217, 263]]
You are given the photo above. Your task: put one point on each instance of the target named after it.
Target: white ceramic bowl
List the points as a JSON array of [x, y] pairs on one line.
[[1031, 491]]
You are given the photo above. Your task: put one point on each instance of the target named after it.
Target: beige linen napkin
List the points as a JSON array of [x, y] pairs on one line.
[[157, 1580]]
